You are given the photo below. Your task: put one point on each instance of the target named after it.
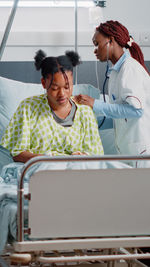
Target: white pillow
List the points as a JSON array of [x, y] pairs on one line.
[[86, 89], [11, 94]]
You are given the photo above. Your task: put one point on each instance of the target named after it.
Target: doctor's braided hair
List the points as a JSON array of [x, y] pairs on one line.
[[51, 65], [122, 37]]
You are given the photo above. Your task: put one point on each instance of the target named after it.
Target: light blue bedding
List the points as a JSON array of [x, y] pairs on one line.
[[8, 189], [8, 203]]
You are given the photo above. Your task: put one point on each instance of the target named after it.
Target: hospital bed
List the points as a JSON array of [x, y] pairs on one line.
[[79, 209]]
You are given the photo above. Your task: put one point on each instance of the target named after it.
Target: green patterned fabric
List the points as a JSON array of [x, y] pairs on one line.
[[33, 128]]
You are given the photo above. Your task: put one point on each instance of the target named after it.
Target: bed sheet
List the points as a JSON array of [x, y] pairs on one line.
[[8, 189]]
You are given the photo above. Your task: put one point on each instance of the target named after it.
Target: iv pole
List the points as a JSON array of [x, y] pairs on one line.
[[76, 37], [8, 27]]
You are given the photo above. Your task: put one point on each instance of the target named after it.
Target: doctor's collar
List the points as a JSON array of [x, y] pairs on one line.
[[119, 63]]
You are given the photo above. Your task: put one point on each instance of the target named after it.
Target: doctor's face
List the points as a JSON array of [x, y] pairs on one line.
[[101, 43], [59, 90]]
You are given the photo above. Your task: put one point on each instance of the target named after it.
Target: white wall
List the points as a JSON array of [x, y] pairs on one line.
[[52, 29]]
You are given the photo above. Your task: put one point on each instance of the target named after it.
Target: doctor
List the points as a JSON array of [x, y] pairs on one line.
[[128, 90]]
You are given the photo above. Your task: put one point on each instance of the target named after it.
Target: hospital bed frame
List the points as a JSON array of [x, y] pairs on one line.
[[84, 213], [90, 229]]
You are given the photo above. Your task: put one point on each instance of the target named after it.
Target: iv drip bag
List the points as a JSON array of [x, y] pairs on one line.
[[95, 15]]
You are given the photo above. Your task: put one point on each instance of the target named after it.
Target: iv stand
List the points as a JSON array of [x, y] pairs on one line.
[[8, 27], [76, 37]]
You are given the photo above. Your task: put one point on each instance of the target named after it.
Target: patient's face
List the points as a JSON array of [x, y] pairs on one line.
[[60, 91]]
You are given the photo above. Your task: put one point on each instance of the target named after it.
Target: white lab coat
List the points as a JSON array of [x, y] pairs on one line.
[[131, 84]]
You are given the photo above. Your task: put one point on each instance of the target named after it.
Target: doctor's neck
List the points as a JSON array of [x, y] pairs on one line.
[[116, 53]]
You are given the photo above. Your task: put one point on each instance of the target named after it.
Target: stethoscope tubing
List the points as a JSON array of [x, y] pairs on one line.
[[103, 90]]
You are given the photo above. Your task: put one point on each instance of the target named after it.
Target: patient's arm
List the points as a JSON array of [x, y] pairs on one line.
[[25, 156]]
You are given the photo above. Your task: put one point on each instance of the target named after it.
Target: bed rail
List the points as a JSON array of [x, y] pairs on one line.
[[98, 243], [36, 160]]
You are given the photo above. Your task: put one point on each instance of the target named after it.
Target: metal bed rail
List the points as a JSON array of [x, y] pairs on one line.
[[37, 251], [38, 159]]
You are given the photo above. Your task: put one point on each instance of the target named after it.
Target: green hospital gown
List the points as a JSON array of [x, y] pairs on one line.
[[33, 128]]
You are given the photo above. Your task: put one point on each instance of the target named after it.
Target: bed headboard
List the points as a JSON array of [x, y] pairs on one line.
[[25, 71]]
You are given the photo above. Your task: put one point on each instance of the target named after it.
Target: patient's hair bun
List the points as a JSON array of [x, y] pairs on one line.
[[38, 59], [74, 57]]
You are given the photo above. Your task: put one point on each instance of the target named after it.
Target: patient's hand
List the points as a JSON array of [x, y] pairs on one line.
[[25, 156], [79, 153], [84, 100]]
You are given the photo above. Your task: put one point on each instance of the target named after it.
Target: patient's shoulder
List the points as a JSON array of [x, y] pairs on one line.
[[85, 110], [33, 100], [31, 104]]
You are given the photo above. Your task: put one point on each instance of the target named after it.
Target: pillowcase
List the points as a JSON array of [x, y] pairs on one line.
[[86, 89], [11, 94]]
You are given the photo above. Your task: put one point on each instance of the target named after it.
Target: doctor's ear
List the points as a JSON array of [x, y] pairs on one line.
[[112, 39]]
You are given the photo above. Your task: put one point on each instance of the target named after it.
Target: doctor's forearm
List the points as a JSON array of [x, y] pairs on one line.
[[116, 110]]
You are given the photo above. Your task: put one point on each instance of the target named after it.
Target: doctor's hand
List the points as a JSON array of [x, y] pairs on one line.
[[84, 100]]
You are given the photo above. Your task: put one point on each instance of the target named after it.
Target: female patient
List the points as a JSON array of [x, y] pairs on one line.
[[52, 123]]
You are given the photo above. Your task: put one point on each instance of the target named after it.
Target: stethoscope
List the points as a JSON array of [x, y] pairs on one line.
[[106, 78]]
